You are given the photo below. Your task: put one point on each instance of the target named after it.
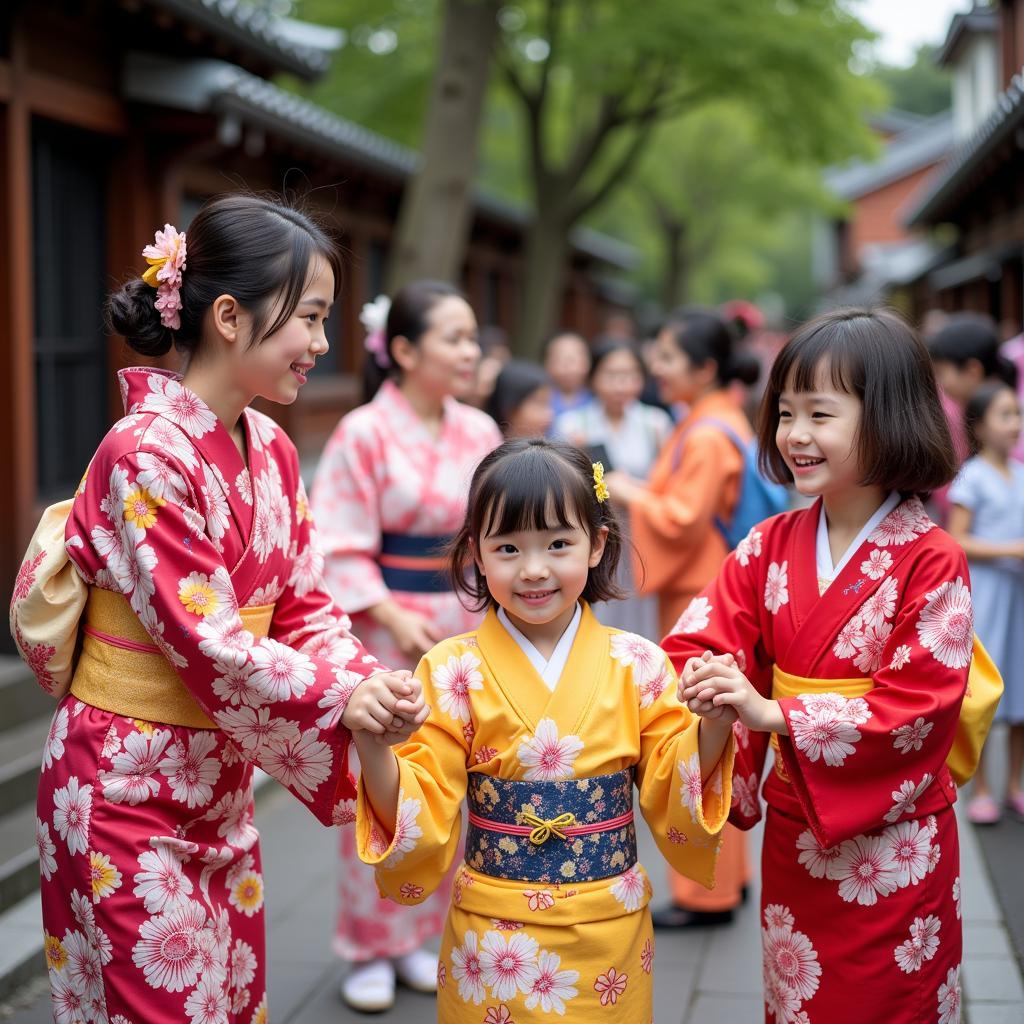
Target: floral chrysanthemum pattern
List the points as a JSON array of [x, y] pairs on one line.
[[547, 756], [792, 972], [508, 966]]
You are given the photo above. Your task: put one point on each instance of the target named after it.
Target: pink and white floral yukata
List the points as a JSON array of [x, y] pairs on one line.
[[384, 472]]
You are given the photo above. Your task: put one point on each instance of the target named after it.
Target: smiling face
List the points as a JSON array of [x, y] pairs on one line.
[[817, 437], [443, 362], [537, 576], [277, 367]]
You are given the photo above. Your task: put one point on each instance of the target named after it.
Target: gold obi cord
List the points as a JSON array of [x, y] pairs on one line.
[[121, 670]]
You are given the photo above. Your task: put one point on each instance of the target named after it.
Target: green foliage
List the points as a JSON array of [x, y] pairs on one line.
[[921, 88], [732, 189], [752, 96]]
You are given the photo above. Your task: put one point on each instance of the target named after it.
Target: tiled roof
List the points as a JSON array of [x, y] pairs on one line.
[[950, 179], [925, 143], [233, 92], [252, 28]]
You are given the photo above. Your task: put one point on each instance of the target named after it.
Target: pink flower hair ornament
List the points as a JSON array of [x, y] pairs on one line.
[[374, 317], [166, 261]]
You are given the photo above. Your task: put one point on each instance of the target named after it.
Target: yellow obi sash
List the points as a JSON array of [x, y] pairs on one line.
[[120, 669], [984, 688]]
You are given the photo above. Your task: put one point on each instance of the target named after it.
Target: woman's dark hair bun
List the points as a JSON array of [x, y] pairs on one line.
[[131, 311], [745, 367]]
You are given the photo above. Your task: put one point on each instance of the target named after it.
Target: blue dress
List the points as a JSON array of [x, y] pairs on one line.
[[997, 587]]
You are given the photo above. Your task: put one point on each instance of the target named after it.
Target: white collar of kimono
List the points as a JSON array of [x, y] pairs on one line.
[[549, 670], [826, 570]]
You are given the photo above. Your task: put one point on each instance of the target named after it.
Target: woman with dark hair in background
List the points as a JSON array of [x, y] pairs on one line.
[[521, 400], [677, 544], [624, 434], [390, 490]]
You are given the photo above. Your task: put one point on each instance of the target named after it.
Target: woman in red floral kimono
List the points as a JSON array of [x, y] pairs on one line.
[[849, 628], [209, 641]]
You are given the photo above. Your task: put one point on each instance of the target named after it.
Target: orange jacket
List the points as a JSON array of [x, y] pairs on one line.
[[694, 480]]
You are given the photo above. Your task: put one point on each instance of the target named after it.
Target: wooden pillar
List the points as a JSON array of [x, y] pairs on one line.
[[17, 406]]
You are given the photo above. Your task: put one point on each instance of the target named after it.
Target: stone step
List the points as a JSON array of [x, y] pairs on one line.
[[19, 858], [21, 697], [21, 754]]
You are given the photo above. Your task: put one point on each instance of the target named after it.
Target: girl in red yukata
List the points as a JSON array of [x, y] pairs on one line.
[[209, 642], [841, 636]]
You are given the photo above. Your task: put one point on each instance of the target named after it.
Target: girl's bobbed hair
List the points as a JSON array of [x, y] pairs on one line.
[[977, 408], [533, 484], [408, 317], [705, 334], [254, 248], [903, 440]]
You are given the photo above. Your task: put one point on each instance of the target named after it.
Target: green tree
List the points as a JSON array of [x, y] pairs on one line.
[[920, 88], [585, 85], [718, 193]]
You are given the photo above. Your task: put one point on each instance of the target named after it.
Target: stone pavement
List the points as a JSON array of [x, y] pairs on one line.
[[707, 977]]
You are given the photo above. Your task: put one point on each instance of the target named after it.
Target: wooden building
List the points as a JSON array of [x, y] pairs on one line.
[[976, 198], [119, 115]]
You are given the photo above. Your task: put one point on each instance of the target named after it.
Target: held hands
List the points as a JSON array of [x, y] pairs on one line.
[[714, 683], [389, 704]]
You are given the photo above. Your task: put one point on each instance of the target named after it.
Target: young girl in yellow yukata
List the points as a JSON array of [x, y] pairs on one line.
[[542, 720]]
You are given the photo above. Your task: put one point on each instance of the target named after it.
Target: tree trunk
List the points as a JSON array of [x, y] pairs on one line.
[[540, 300], [436, 212], [673, 282]]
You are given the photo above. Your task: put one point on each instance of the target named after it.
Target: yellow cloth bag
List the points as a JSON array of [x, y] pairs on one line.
[[49, 599], [984, 688]]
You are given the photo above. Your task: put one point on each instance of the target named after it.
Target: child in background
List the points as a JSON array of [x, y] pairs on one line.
[[841, 636], [987, 518], [543, 718], [521, 400], [566, 359]]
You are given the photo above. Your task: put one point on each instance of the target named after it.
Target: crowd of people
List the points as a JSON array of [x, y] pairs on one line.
[[529, 588]]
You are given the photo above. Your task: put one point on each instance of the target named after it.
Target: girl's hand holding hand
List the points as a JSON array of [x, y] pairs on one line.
[[380, 700], [704, 708], [722, 685]]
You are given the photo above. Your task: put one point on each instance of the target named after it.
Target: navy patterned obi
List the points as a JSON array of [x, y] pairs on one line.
[[415, 564], [579, 830]]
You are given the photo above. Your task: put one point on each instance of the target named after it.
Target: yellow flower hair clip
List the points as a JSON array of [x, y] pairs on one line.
[[600, 487]]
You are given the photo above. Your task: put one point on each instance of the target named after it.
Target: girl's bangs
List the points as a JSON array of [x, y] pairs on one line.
[[527, 494], [803, 364]]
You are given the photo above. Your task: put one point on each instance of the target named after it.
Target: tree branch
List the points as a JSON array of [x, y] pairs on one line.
[[618, 170]]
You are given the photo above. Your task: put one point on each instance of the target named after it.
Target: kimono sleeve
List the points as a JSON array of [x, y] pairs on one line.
[[860, 763], [432, 786], [685, 814], [684, 512], [725, 619], [137, 529], [346, 506]]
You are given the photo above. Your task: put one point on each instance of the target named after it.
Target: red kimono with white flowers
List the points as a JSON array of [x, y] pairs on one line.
[[861, 893], [152, 893]]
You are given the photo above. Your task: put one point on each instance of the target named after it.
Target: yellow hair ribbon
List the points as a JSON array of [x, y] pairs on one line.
[[600, 487]]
